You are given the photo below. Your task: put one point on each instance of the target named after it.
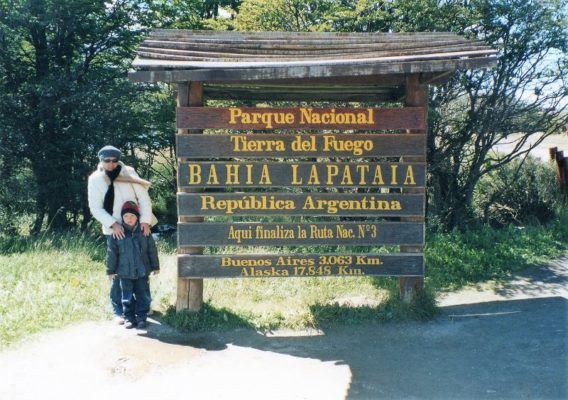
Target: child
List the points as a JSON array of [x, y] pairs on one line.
[[131, 260]]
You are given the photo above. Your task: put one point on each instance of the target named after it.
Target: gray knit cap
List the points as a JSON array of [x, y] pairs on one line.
[[109, 151]]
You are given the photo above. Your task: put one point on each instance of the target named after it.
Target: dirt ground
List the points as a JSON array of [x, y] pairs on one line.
[[505, 341]]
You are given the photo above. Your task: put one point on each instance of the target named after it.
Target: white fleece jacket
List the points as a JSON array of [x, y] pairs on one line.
[[128, 186]]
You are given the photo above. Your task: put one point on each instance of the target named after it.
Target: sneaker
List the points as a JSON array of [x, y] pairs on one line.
[[118, 320], [129, 324], [141, 325]]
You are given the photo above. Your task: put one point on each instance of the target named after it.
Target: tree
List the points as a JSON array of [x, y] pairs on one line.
[[527, 93], [285, 15], [187, 14], [64, 94]]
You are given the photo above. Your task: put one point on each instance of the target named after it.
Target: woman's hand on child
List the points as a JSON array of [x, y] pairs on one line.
[[145, 228], [111, 277], [117, 231]]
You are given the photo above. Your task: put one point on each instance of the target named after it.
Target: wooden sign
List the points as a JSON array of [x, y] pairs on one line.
[[314, 204], [300, 265], [301, 118], [288, 145], [304, 234], [300, 174], [297, 164]]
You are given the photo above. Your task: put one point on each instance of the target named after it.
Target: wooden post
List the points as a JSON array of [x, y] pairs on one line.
[[189, 291], [561, 169], [416, 96], [562, 176]]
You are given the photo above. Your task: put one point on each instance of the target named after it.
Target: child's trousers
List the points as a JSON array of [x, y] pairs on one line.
[[136, 298]]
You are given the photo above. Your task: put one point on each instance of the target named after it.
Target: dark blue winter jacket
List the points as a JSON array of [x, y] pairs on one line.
[[133, 257]]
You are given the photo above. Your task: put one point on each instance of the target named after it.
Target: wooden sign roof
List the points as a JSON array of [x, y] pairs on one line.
[[228, 59]]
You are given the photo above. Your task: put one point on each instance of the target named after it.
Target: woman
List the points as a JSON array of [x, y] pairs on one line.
[[109, 187]]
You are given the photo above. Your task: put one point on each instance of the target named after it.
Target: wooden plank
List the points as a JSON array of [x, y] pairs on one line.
[[300, 265], [368, 94], [303, 234], [180, 71], [192, 51], [308, 204], [369, 80], [299, 118], [299, 42], [317, 38], [300, 174], [286, 145], [183, 62]]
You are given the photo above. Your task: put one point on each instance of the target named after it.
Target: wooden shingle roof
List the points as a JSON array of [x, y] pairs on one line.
[[227, 60]]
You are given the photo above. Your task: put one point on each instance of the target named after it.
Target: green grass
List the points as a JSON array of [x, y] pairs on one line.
[[295, 303], [49, 283], [55, 280], [456, 259]]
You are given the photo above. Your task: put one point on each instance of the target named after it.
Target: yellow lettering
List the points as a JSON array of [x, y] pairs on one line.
[[207, 203], [362, 169], [347, 180], [409, 180], [378, 178], [249, 174], [295, 180], [305, 115], [213, 179], [314, 178], [194, 174], [232, 174], [265, 176], [234, 113], [394, 181], [332, 172]]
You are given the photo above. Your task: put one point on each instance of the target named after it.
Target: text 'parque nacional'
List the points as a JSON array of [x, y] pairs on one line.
[[304, 116], [300, 118]]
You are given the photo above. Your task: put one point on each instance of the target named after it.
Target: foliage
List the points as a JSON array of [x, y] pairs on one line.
[[186, 14], [52, 280], [208, 318], [16, 192], [63, 92], [284, 15], [522, 191], [49, 282], [474, 110], [63, 95], [265, 304], [460, 258]]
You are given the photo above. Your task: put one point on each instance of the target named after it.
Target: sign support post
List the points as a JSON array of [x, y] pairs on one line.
[[416, 96], [189, 291]]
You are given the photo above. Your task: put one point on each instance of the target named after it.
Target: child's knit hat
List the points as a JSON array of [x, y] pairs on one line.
[[130, 207]]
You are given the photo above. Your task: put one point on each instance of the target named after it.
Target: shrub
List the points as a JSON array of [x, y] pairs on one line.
[[523, 191]]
